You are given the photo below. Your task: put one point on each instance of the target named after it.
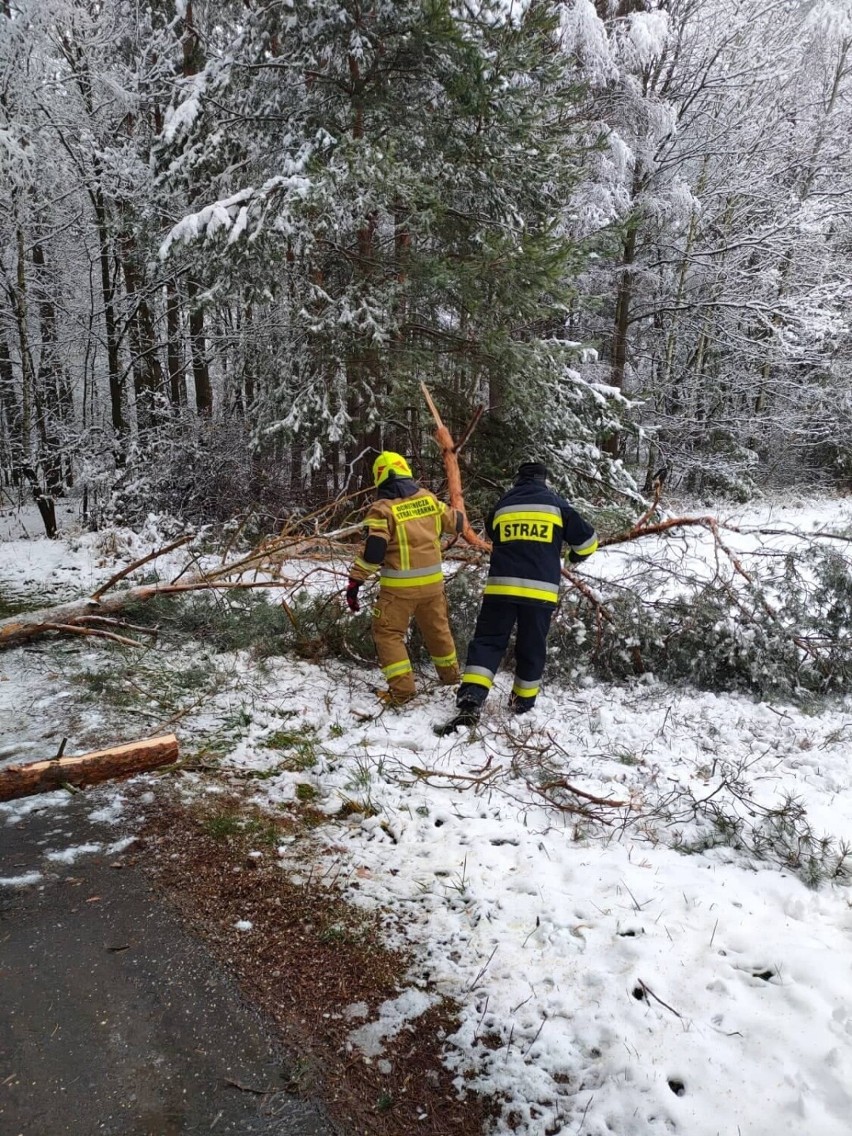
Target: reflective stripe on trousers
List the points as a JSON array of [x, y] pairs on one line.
[[391, 619], [497, 618], [412, 577]]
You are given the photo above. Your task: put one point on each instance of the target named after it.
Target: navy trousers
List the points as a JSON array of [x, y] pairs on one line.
[[497, 618]]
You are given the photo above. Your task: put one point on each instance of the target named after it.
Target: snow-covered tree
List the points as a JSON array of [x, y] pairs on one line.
[[409, 169], [717, 290]]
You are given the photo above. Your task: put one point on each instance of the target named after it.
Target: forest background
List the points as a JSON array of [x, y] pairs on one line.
[[235, 237]]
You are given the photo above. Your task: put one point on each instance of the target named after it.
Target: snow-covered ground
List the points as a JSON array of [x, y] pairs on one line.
[[608, 982]]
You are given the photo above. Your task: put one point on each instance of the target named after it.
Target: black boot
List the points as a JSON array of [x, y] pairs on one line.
[[519, 705], [467, 714]]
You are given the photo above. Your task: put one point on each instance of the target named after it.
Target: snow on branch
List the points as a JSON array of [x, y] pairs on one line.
[[231, 213]]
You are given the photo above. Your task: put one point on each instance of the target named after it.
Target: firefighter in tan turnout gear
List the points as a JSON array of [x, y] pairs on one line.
[[404, 527]]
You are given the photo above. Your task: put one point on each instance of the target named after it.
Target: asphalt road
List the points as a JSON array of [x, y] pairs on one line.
[[113, 1018]]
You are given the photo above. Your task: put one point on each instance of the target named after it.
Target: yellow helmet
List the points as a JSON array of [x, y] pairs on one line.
[[389, 462]]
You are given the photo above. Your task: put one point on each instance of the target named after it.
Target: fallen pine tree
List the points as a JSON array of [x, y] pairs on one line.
[[95, 615], [778, 622]]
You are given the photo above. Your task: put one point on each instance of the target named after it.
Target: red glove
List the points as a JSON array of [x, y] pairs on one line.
[[352, 595]]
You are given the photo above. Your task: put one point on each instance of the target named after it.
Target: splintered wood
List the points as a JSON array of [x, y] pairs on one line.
[[449, 451]]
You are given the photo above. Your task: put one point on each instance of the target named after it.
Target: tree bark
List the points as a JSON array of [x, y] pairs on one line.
[[177, 379], [53, 398], [22, 318], [108, 293], [80, 68], [88, 768], [45, 502], [622, 322], [198, 351], [10, 409], [148, 379], [193, 61]]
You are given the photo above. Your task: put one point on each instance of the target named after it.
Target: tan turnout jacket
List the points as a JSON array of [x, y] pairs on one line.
[[412, 527]]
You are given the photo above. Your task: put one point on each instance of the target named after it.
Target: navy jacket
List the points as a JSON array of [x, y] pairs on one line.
[[528, 527]]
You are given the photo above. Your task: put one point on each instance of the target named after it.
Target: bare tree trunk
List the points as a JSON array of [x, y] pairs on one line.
[[193, 60], [148, 380], [362, 367], [22, 316], [297, 453], [44, 501], [334, 461], [94, 187], [110, 324], [177, 379], [198, 352], [249, 359], [10, 409], [193, 56], [623, 299], [53, 392]]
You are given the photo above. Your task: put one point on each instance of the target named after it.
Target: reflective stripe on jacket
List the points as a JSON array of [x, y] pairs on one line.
[[412, 527], [528, 527]]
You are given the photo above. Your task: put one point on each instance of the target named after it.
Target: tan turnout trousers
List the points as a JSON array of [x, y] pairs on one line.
[[391, 618]]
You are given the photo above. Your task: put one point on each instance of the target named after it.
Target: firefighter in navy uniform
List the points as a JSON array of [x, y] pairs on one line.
[[527, 527], [404, 527]]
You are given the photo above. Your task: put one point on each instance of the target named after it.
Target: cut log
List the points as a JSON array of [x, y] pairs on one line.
[[87, 768], [449, 451]]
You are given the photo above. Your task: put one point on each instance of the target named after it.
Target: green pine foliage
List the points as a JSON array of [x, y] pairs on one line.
[[396, 215], [785, 634]]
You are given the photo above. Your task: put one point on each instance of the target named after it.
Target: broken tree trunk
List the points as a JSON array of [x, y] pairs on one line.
[[89, 616], [451, 465], [92, 615], [88, 768], [68, 617]]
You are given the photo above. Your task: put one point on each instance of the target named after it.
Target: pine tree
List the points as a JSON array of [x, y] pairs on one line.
[[404, 222]]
